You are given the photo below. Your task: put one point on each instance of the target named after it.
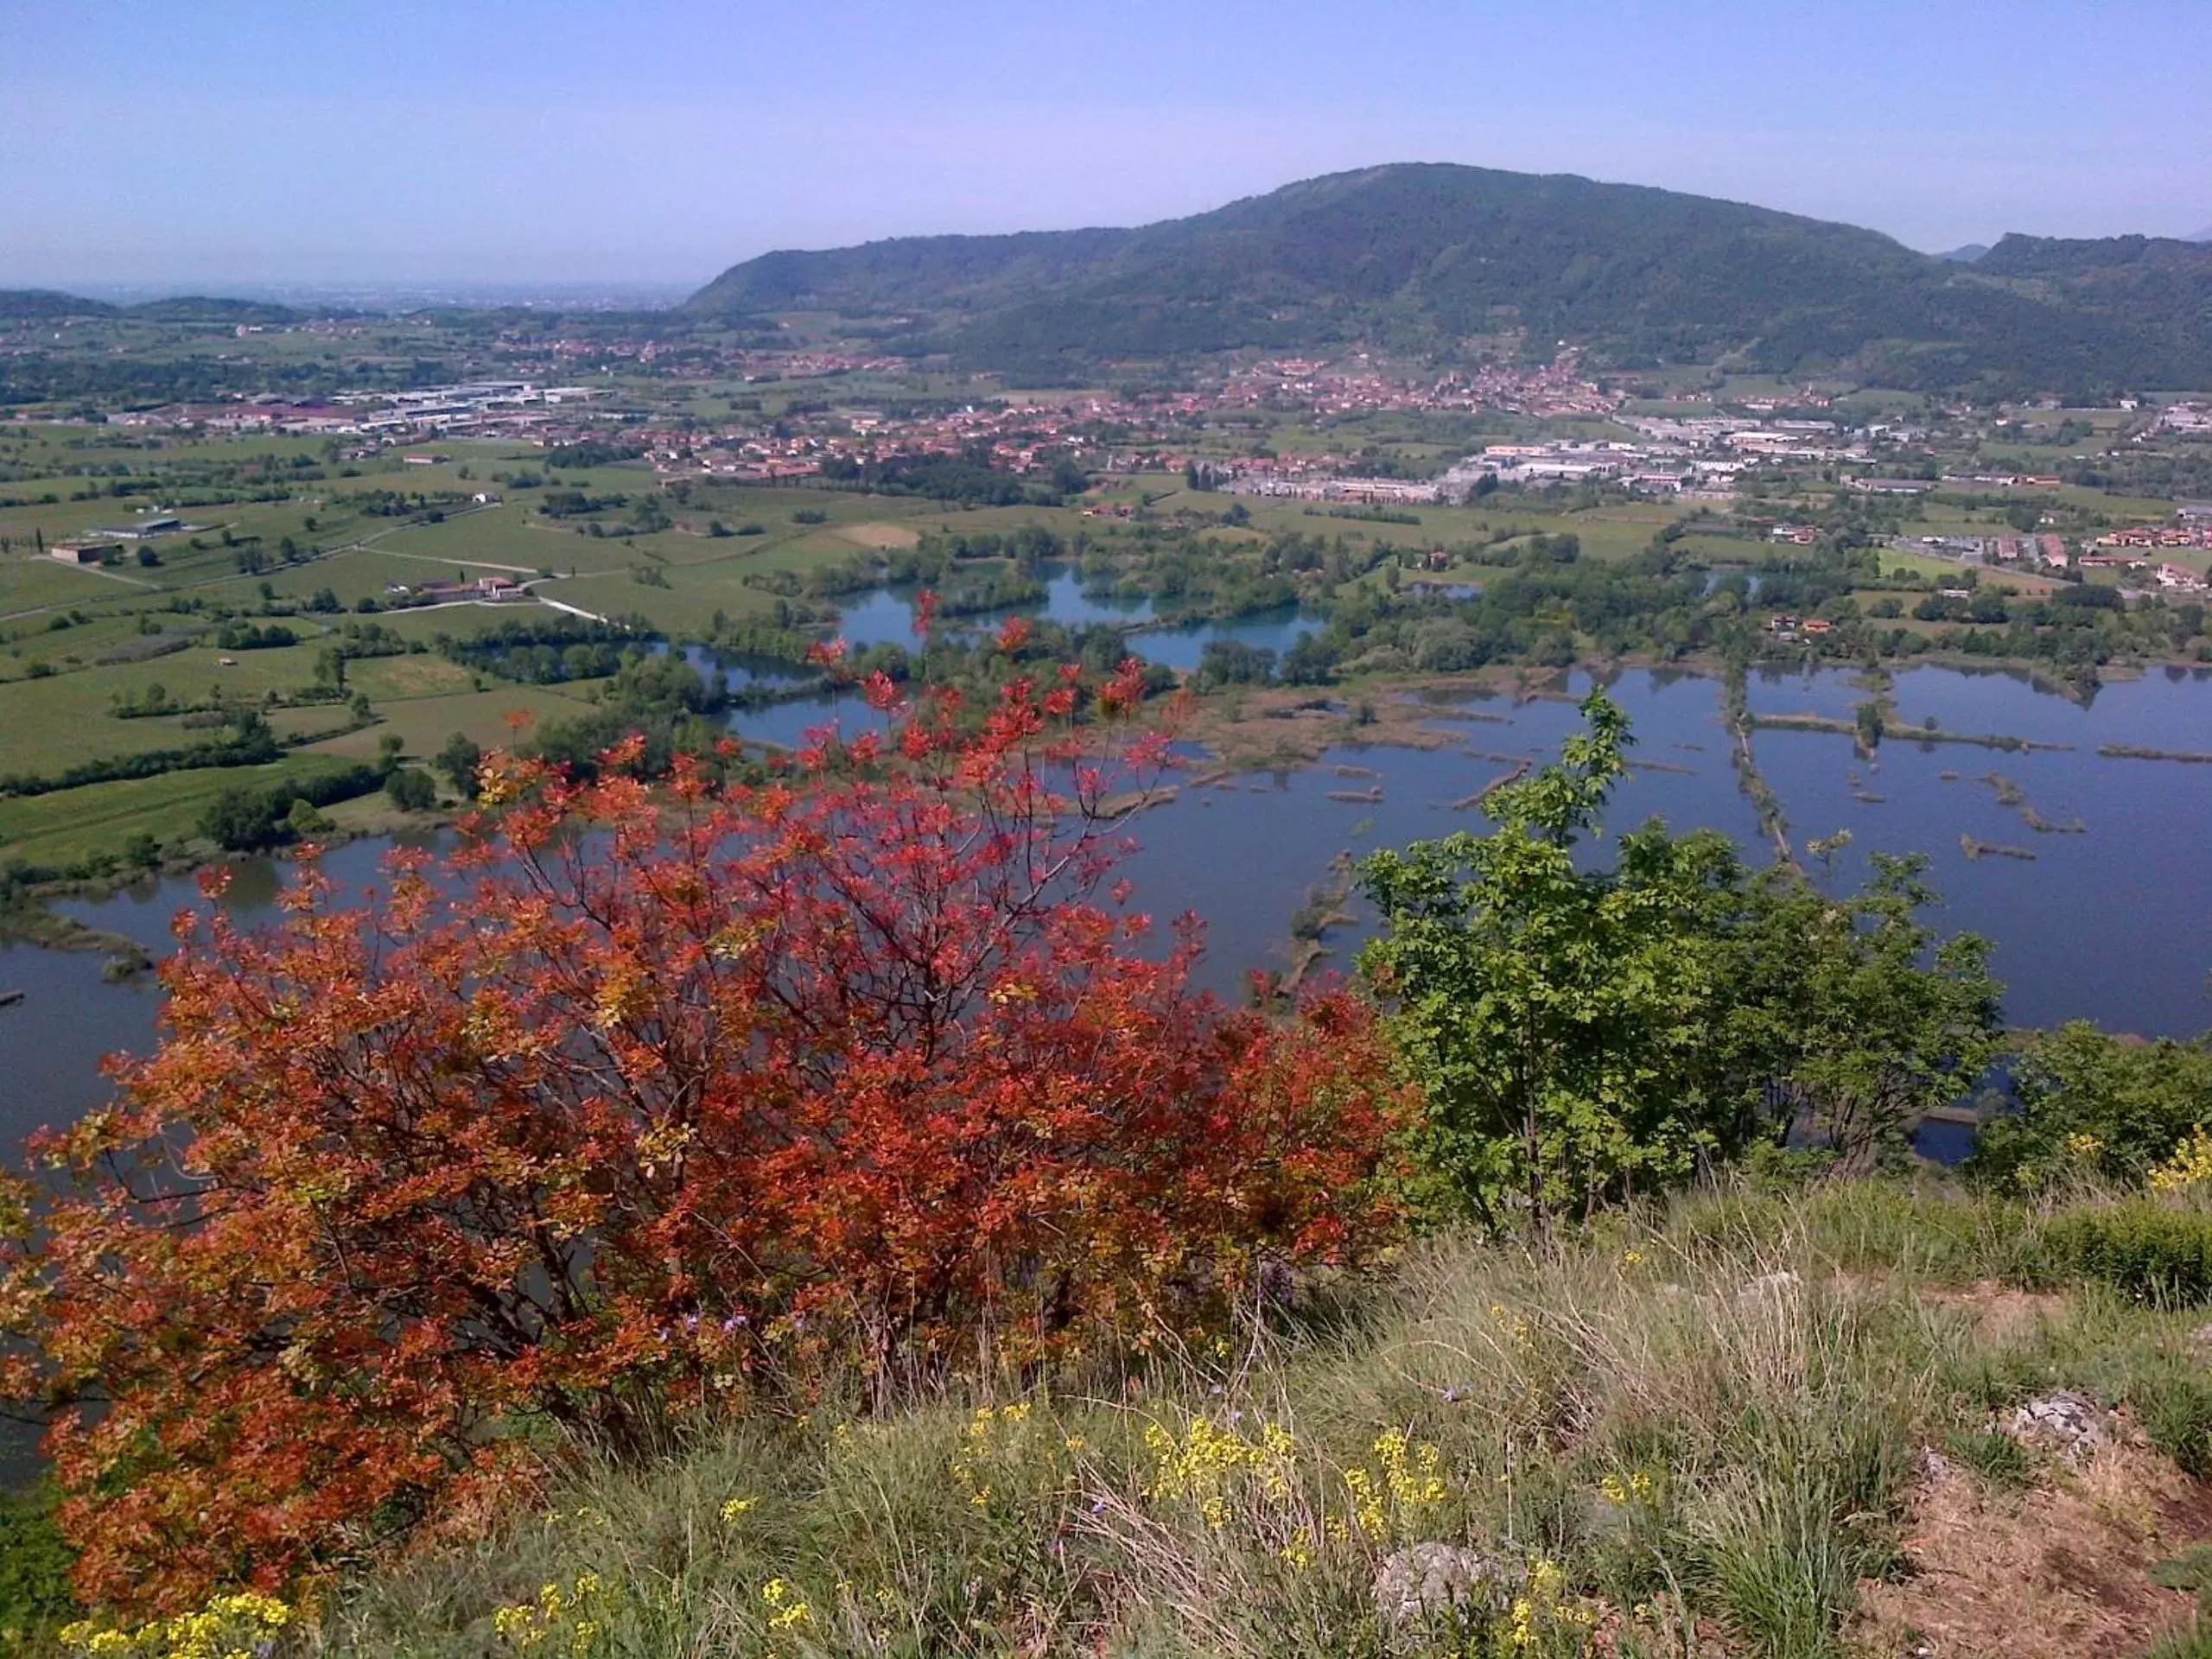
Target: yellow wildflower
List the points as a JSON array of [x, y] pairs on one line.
[[2189, 1166], [1206, 1461], [1366, 1503], [227, 1625], [785, 1606]]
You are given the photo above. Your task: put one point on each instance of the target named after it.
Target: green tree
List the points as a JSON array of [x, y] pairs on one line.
[[458, 760], [1583, 1034], [1874, 1021], [411, 790], [240, 820], [1562, 1022], [2092, 1105], [34, 1562]]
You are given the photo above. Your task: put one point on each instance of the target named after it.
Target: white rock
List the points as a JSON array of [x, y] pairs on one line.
[[1769, 1284], [2076, 1423], [1422, 1581]]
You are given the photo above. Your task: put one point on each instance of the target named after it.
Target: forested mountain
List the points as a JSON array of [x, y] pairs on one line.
[[2160, 283], [23, 303], [199, 308], [1420, 257], [16, 302]]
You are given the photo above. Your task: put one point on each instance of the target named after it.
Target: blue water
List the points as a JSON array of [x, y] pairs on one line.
[[1066, 601], [2113, 925], [1202, 852], [1831, 693], [790, 725], [738, 668], [885, 616], [2147, 713], [1181, 646]]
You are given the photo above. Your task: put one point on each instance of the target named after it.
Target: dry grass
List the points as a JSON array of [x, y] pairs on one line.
[[1701, 1436], [879, 536], [2055, 1573]]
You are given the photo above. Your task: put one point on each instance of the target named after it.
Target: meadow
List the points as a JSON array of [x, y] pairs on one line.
[[1748, 1423], [75, 641], [62, 829]]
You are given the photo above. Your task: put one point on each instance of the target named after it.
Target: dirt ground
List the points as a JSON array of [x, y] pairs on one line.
[[2057, 1572]]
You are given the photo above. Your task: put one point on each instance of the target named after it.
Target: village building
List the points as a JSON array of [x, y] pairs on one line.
[[85, 552], [140, 530]]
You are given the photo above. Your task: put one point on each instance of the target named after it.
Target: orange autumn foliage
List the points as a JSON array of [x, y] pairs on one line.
[[649, 1103]]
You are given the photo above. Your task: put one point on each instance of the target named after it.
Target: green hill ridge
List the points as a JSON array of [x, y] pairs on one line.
[[17, 303], [1420, 257]]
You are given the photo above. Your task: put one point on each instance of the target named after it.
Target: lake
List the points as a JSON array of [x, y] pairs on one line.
[[2112, 923], [885, 616]]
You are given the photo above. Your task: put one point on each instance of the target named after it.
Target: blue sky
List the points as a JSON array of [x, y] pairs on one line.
[[231, 140]]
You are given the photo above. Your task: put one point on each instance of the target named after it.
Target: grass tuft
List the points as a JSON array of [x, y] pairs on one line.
[[1706, 1421]]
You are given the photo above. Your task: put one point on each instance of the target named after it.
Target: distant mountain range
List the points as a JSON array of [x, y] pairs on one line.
[[1421, 256], [1426, 258], [19, 303]]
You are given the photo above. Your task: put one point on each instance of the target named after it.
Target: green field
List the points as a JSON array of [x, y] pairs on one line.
[[276, 523], [53, 722], [63, 827], [424, 723]]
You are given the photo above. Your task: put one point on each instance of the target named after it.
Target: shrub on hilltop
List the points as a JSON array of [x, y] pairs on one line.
[[653, 1103], [1586, 1034]]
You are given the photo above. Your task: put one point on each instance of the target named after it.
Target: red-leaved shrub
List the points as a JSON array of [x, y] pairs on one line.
[[651, 1102]]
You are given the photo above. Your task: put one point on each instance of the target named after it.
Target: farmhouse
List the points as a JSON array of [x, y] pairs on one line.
[[493, 588], [85, 552], [140, 530]]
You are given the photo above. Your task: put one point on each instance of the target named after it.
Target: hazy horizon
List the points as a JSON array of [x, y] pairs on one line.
[[250, 145]]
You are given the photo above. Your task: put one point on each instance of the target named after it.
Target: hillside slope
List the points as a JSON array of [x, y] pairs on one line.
[[2161, 283], [1421, 256], [1753, 1426]]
